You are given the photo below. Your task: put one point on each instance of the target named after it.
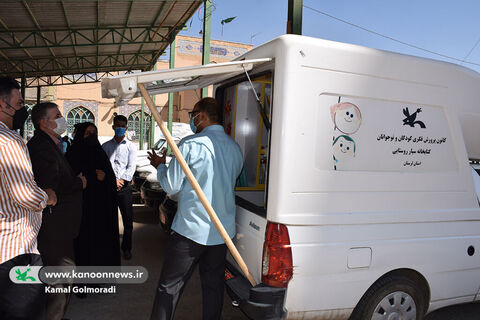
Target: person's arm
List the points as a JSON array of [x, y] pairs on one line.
[[172, 178], [17, 171], [131, 165], [45, 167]]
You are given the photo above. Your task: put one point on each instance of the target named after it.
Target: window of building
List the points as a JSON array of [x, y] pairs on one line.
[[134, 126], [78, 115]]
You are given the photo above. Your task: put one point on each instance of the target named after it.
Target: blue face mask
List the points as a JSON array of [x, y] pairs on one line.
[[120, 132], [192, 125]]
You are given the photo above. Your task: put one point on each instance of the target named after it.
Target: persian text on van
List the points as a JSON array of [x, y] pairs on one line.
[[405, 138]]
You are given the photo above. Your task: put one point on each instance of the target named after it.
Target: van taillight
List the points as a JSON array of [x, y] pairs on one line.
[[277, 268]]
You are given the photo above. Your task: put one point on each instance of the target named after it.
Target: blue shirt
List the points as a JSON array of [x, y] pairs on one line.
[[122, 157], [216, 161]]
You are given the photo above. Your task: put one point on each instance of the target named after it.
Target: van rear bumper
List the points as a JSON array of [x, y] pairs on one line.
[[259, 302]]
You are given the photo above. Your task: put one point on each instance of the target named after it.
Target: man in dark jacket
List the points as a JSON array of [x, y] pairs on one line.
[[60, 223]]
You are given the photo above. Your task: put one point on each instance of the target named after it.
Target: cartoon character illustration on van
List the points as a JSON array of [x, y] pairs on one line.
[[343, 148], [346, 117]]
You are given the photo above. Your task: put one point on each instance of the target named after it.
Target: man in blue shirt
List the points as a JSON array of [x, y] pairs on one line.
[[216, 161], [122, 154]]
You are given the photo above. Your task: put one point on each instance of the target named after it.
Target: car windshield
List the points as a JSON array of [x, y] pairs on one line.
[[161, 143]]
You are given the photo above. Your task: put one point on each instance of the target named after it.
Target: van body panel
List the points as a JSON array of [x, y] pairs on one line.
[[437, 250], [406, 193], [250, 230]]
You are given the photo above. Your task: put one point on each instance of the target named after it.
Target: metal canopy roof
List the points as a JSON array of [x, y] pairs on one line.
[[70, 41]]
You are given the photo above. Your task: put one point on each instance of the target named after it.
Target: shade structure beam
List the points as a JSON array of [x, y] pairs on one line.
[[13, 40]]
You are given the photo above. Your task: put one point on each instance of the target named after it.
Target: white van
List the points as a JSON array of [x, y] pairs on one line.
[[357, 198]]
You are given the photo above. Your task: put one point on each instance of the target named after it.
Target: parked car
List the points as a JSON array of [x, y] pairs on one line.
[[143, 167], [146, 183], [164, 207]]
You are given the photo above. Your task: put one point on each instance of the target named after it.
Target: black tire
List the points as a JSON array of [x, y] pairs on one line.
[[404, 289]]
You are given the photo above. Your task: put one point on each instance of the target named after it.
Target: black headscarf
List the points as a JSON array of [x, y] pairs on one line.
[[80, 129], [86, 154]]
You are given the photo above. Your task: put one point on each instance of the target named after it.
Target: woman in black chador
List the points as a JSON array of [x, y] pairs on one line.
[[97, 244]]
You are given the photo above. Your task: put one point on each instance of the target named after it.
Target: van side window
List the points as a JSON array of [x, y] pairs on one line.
[[243, 122]]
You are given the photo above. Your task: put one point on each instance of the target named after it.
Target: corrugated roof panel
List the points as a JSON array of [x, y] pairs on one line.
[[14, 15], [141, 13], [46, 14], [81, 14], [113, 13], [75, 32], [65, 52]]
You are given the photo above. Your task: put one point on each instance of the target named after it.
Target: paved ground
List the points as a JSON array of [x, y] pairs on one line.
[[134, 301]]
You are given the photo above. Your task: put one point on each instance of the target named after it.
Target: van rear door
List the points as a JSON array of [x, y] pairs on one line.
[[243, 121]]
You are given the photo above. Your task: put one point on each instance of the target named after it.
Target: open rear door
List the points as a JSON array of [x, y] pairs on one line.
[[125, 87]]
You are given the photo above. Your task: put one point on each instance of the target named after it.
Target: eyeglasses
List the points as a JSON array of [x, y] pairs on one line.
[[192, 113]]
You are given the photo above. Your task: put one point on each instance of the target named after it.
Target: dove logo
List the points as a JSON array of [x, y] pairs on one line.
[[25, 274], [410, 118]]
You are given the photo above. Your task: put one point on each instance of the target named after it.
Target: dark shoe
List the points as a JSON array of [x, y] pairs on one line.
[[127, 255]]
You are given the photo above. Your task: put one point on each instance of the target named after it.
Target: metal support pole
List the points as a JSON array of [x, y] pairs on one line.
[[207, 19], [23, 85], [170, 94], [294, 23], [152, 129], [151, 138], [142, 125], [39, 94]]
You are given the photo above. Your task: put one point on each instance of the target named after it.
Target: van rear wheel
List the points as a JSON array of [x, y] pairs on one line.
[[392, 298]]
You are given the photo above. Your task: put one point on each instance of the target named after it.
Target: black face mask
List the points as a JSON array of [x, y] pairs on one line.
[[91, 140], [19, 118]]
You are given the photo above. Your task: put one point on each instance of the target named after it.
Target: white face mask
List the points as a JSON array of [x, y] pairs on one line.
[[61, 126]]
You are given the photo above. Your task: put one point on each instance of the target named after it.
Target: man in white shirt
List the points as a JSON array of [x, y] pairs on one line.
[[122, 154]]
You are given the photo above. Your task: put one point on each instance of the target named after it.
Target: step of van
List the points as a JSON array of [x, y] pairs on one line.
[[259, 302]]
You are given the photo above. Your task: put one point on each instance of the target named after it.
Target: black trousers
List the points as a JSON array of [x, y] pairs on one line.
[[124, 197], [57, 303], [21, 301], [181, 257]]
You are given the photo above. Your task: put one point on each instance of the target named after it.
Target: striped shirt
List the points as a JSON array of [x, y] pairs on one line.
[[21, 200]]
